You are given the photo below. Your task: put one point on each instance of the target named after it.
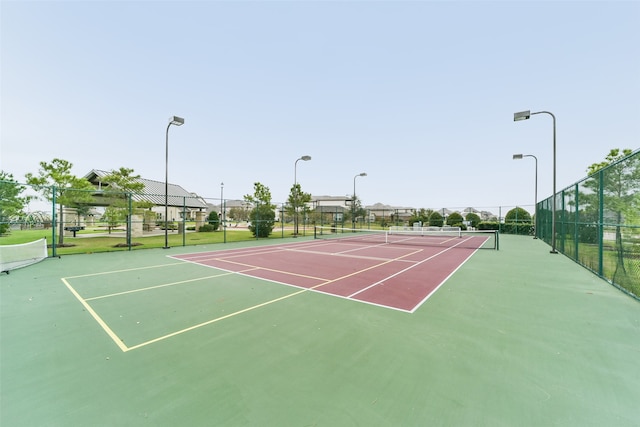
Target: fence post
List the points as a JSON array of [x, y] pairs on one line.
[[184, 221], [54, 221], [601, 222], [129, 218]]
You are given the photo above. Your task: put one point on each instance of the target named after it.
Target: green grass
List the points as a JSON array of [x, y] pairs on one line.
[[85, 243]]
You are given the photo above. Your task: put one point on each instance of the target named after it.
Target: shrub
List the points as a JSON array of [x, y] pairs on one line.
[[208, 227], [486, 225]]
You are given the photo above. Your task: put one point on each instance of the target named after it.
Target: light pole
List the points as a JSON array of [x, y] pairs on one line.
[[535, 205], [296, 195], [221, 205], [353, 203], [222, 209], [176, 121], [525, 115]]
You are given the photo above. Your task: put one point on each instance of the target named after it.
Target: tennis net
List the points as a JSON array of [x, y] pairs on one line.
[[454, 237], [21, 255]]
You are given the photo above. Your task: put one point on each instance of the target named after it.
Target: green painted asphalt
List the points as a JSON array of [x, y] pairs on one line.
[[516, 337]]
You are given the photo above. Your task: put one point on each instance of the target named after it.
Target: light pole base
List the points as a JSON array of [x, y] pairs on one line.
[[553, 251], [166, 247]]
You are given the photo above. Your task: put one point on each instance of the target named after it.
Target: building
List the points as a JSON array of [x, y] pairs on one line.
[[181, 204]]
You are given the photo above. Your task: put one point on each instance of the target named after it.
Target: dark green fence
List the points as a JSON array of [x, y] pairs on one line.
[[598, 223], [80, 221]]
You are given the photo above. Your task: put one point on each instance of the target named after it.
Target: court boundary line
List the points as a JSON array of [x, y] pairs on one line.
[[119, 342], [269, 250], [408, 268], [208, 322], [96, 317], [443, 282], [316, 288], [149, 288]]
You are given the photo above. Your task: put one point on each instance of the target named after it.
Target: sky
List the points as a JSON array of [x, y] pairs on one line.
[[420, 95]]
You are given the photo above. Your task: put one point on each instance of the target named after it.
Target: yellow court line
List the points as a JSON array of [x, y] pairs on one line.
[[208, 322], [258, 305], [125, 270], [124, 348], [97, 318], [158, 286]]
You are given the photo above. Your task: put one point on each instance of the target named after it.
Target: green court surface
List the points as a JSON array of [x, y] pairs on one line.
[[515, 337]]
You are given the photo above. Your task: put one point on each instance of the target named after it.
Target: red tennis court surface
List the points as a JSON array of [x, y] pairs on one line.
[[387, 275]]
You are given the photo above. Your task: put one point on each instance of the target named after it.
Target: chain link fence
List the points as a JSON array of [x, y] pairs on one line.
[[598, 223], [597, 220]]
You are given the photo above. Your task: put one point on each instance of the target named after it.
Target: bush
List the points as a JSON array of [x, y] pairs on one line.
[[214, 220], [473, 219], [208, 227], [489, 225], [262, 220]]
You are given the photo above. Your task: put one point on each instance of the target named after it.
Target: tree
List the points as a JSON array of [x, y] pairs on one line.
[[11, 203], [517, 216], [357, 210], [122, 184], [454, 220], [263, 215], [297, 200], [517, 221], [237, 213], [123, 180], [473, 219], [214, 220], [435, 219], [56, 184], [617, 181]]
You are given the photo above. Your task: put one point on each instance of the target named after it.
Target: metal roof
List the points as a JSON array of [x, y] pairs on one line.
[[153, 191]]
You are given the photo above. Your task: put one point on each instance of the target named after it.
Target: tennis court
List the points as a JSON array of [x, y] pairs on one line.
[[397, 271], [362, 266], [293, 334]]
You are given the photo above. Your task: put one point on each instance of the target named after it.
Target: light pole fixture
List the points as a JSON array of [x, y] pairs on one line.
[[176, 121], [295, 167], [535, 205], [295, 182], [525, 115], [353, 203]]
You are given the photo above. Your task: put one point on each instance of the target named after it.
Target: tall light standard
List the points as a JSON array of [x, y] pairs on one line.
[[222, 209], [525, 115], [176, 121], [353, 203], [222, 204], [296, 195], [535, 206]]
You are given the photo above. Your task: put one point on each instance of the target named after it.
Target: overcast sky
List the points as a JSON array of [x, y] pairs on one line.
[[419, 95]]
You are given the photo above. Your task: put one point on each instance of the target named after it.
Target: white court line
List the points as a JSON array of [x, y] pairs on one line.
[[406, 269], [315, 288]]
